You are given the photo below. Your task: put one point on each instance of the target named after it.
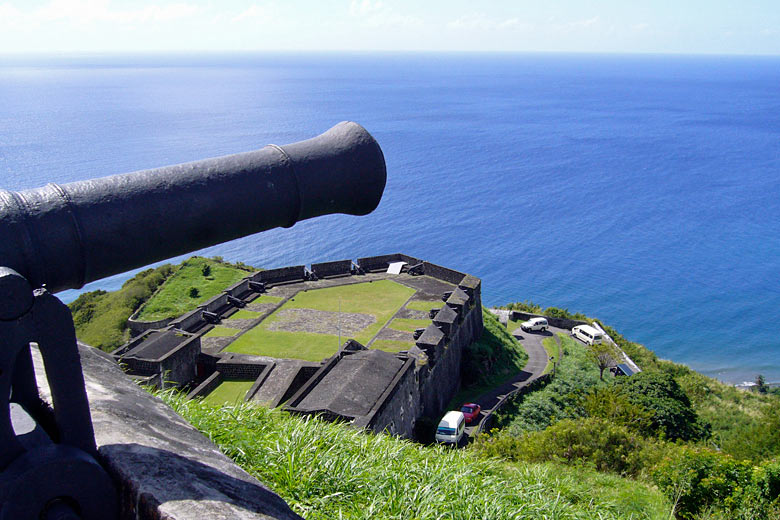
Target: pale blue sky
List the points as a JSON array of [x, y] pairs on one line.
[[659, 26]]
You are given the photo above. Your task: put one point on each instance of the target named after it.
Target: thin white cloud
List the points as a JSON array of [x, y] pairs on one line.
[[257, 12], [377, 14], [589, 22], [482, 22], [90, 11]]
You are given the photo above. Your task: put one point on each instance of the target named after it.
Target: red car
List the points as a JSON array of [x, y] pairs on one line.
[[470, 411]]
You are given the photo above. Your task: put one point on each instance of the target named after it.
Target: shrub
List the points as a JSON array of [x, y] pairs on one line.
[[193, 292], [700, 480], [205, 270], [592, 441], [673, 416]]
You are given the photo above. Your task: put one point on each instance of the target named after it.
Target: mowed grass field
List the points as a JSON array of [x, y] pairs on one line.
[[381, 299]]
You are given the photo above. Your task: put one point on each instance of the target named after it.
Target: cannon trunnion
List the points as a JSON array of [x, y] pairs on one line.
[[60, 237]]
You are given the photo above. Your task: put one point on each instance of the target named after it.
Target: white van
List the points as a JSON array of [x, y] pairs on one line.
[[587, 334], [451, 428]]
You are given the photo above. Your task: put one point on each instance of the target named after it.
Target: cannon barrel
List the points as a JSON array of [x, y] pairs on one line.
[[64, 236]]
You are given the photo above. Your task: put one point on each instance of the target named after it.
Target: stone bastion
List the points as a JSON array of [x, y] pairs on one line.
[[390, 383]]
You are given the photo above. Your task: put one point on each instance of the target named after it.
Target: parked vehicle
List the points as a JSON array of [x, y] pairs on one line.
[[535, 324], [470, 412], [451, 428], [587, 334]]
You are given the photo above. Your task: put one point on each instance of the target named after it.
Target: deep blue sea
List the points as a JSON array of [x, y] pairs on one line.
[[644, 190]]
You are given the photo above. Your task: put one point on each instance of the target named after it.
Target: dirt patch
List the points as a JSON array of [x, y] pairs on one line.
[[238, 324], [260, 307], [321, 322], [396, 335], [412, 314]]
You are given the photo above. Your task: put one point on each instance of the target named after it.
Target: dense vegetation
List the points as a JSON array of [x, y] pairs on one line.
[[101, 317], [711, 448], [327, 471]]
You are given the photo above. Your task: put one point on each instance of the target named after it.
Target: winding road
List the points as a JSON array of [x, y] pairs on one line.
[[537, 361]]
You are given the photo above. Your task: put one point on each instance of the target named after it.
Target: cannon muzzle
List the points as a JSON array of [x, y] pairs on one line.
[[64, 236]]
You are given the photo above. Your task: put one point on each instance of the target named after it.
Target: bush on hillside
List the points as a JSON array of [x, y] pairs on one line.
[[560, 399], [673, 416], [592, 441], [700, 480], [101, 317]]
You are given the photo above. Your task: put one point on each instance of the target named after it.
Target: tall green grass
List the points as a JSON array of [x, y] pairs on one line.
[[326, 471]]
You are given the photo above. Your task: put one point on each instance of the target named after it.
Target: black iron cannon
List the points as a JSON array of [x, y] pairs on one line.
[[59, 237]]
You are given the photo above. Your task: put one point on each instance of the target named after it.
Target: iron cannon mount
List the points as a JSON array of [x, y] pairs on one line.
[[62, 236]]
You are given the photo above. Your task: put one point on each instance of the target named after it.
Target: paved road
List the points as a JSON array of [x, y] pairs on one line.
[[537, 361]]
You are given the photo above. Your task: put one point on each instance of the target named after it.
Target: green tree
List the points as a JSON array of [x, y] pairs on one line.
[[194, 292], [761, 384], [604, 355]]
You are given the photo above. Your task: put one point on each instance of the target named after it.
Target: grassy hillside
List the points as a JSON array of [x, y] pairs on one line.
[[723, 462], [101, 317], [325, 471], [195, 281], [490, 361]]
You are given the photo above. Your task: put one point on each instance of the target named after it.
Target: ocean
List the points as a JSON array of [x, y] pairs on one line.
[[641, 189]]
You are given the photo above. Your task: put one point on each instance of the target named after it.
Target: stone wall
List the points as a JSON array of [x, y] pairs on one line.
[[139, 327], [397, 411], [162, 466], [380, 263], [443, 273], [237, 369], [336, 268], [206, 387], [561, 323], [284, 274]]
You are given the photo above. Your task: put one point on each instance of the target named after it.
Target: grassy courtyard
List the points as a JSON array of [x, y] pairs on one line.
[[229, 392], [306, 326]]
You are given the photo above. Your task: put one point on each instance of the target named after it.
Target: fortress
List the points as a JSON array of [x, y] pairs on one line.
[[388, 369]]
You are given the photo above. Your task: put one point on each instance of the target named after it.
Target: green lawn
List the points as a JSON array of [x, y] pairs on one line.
[[229, 392], [553, 351], [389, 345], [221, 332], [267, 298], [244, 314], [173, 299], [408, 325], [424, 305], [381, 299], [512, 325]]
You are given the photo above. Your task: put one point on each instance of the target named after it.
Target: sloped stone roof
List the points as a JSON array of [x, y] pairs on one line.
[[354, 384]]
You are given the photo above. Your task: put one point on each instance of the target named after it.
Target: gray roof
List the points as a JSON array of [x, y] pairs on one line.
[[446, 315], [157, 345], [431, 336], [354, 384]]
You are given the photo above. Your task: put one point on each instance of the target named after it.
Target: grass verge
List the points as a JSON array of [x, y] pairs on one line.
[[229, 392], [389, 345], [553, 353], [221, 332], [325, 471], [408, 325], [424, 305]]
